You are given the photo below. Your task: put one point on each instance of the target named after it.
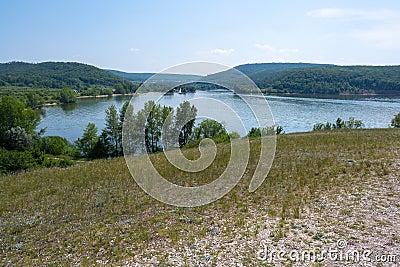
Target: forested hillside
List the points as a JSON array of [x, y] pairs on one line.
[[57, 75], [163, 77], [276, 78], [264, 69], [318, 79], [332, 80]]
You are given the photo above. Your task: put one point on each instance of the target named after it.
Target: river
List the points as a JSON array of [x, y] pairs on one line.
[[294, 114]]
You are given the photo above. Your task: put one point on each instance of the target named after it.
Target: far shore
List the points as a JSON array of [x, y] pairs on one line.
[[342, 95], [98, 96], [102, 96]]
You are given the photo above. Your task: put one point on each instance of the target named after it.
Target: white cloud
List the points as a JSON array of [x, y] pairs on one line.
[[134, 50], [218, 51], [354, 14], [215, 52]]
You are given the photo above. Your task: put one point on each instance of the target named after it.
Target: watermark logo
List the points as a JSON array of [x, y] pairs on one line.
[[340, 252], [135, 131]]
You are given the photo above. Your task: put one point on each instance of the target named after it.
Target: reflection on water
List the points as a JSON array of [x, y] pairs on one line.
[[68, 107], [295, 114]]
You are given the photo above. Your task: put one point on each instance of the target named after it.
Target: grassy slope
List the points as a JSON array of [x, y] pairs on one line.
[[95, 212]]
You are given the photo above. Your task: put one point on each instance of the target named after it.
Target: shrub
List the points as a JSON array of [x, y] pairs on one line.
[[53, 145], [268, 130], [339, 124], [396, 121], [62, 163], [11, 161], [18, 139]]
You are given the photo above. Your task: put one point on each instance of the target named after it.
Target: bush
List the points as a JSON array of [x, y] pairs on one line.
[[396, 121], [62, 163], [268, 130], [339, 124], [18, 139], [53, 145], [11, 161]]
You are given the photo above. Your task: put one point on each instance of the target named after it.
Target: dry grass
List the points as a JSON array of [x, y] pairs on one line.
[[94, 213]]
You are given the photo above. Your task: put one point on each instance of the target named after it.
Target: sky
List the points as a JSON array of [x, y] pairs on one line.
[[150, 36]]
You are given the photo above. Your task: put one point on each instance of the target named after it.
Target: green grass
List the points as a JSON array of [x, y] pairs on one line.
[[95, 211]]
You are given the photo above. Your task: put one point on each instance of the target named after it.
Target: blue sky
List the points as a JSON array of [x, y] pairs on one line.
[[149, 36]]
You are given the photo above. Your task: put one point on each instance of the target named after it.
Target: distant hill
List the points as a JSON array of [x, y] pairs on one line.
[[333, 80], [59, 75], [141, 77], [263, 69], [296, 78], [306, 78], [274, 78]]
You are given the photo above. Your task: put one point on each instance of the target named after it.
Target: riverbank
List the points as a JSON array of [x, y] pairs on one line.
[[105, 96], [322, 188]]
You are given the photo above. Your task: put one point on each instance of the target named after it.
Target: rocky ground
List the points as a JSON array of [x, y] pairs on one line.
[[358, 226]]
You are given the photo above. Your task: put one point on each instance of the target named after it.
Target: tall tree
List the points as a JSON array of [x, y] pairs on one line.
[[113, 130], [185, 120], [88, 141], [208, 129], [153, 126], [169, 132], [34, 101], [14, 113], [125, 113]]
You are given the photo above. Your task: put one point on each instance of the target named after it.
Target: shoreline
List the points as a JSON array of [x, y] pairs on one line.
[[340, 96], [103, 96]]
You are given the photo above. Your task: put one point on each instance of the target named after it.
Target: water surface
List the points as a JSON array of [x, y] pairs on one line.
[[293, 113]]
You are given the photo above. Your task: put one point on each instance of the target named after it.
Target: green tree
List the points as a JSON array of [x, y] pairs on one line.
[[34, 101], [14, 113], [126, 112], [54, 145], [209, 129], [107, 91], [88, 141], [396, 121], [234, 135], [113, 130], [102, 147], [19, 139], [254, 132], [67, 95], [153, 127], [185, 120], [169, 132]]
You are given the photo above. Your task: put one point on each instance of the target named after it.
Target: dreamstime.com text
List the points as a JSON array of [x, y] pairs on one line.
[[339, 253]]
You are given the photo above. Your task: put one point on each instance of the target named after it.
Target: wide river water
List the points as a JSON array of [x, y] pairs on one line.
[[294, 114]]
